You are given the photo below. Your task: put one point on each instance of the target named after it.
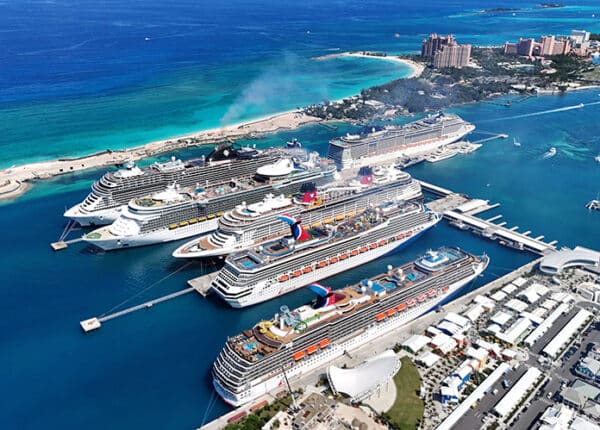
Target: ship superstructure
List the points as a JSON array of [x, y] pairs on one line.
[[113, 191], [392, 142], [250, 225], [297, 341], [309, 255], [178, 213]]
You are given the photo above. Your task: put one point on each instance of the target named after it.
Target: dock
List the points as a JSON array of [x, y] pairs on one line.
[[202, 284], [505, 236], [96, 322], [461, 211], [62, 242]]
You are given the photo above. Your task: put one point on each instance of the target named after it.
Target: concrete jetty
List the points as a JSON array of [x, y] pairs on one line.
[[96, 322], [460, 210], [202, 284]]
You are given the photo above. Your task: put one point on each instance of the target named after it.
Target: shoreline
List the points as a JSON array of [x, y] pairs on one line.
[[21, 176], [416, 68]]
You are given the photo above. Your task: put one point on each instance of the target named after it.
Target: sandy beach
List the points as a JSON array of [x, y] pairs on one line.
[[17, 179], [416, 68]]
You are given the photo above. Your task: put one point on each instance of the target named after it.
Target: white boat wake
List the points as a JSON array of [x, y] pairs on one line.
[[544, 112]]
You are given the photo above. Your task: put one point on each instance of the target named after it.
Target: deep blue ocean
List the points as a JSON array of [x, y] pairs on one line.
[[78, 77]]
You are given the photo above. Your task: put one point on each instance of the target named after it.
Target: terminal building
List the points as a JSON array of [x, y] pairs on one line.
[[361, 382]]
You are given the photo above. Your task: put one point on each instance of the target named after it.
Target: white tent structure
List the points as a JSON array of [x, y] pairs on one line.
[[361, 382]]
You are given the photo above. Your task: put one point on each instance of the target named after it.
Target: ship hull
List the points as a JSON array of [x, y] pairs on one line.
[[191, 249], [95, 218], [164, 235], [406, 150], [264, 291], [337, 349]]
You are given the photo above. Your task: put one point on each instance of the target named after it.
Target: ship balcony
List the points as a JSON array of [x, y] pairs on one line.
[[124, 227]]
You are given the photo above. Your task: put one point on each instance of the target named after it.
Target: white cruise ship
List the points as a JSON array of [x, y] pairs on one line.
[[179, 213], [424, 135], [113, 191], [309, 255], [301, 340], [251, 225]]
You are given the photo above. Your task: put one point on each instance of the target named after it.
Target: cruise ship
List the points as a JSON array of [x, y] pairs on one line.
[[111, 193], [246, 225], [297, 341], [178, 213], [392, 142], [309, 255]]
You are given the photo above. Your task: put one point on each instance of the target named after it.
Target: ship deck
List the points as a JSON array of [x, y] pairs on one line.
[[269, 336], [284, 247]]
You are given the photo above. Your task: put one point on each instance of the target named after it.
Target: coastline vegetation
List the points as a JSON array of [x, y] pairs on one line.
[[492, 74]]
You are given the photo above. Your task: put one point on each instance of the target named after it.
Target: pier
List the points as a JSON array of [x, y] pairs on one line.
[[62, 243], [96, 322], [493, 137], [461, 212], [202, 284]]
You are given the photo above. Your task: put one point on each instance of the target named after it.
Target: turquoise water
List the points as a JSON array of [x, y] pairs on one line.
[[205, 100], [87, 79]]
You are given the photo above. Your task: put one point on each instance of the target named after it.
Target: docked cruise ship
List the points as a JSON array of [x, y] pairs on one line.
[[315, 253], [297, 341], [392, 142], [246, 226], [178, 213], [111, 193]]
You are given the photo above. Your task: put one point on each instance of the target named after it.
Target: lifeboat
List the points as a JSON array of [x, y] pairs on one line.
[[324, 343], [343, 256], [220, 213], [328, 221], [183, 223], [312, 349], [444, 289], [297, 273], [173, 226], [322, 264], [201, 219], [400, 307], [400, 236], [283, 278], [380, 317], [421, 297], [411, 302], [307, 269], [363, 249], [382, 242], [193, 221], [339, 217], [333, 260], [390, 312], [373, 246], [351, 213], [211, 216], [354, 252], [297, 356], [431, 292], [409, 233]]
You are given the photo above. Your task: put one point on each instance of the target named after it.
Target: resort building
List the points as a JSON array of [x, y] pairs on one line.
[[576, 43], [445, 52]]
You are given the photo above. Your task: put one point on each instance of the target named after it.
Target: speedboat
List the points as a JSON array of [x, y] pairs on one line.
[[516, 142], [550, 153]]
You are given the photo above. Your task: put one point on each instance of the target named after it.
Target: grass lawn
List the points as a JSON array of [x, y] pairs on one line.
[[408, 407]]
